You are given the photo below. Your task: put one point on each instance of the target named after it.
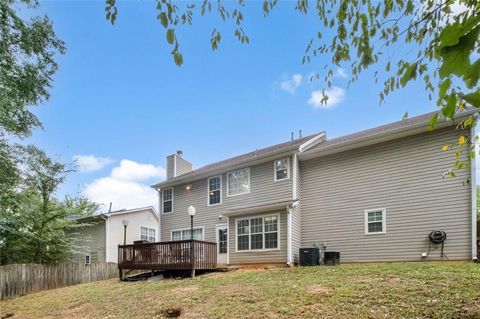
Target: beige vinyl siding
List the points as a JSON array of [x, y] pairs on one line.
[[403, 176], [182, 166], [263, 190], [258, 257], [92, 242]]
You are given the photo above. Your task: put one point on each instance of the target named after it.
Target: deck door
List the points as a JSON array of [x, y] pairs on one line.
[[222, 243]]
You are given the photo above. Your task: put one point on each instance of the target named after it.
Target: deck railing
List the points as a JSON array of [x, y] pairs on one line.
[[169, 255]]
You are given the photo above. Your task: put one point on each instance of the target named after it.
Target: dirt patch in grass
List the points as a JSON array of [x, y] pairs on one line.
[[236, 290], [187, 289], [318, 290]]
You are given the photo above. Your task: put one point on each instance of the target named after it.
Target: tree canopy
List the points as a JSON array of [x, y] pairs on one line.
[[27, 50], [437, 41]]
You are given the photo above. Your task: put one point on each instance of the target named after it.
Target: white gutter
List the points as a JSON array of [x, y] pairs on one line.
[[473, 186]]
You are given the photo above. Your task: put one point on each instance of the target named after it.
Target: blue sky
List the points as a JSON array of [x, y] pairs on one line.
[[118, 95]]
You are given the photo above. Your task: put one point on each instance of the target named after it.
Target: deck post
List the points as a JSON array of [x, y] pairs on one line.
[[120, 274]]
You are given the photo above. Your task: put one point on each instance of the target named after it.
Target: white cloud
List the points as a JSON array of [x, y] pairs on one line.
[[122, 194], [341, 73], [123, 187], [133, 171], [335, 96], [291, 85], [90, 163]]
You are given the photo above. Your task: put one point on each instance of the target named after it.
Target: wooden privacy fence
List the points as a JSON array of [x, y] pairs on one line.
[[22, 279]]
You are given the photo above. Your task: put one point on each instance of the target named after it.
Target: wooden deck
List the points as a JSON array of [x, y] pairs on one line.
[[170, 255]]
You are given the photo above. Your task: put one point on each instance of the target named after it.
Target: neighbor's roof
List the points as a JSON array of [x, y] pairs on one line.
[[241, 159], [383, 133], [105, 216]]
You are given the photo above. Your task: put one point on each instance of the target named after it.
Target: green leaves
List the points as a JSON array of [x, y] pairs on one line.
[[444, 86], [472, 75], [457, 43], [409, 74], [433, 121], [452, 33], [111, 11], [215, 39], [28, 48], [163, 19], [449, 109], [472, 98], [170, 36]]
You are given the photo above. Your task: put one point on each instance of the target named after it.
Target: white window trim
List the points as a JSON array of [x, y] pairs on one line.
[[221, 186], [250, 250], [163, 201], [275, 170], [188, 228], [384, 221], [148, 229], [228, 180]]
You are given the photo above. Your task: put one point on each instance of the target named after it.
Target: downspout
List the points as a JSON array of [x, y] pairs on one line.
[[228, 240], [107, 235], [159, 191], [289, 236], [473, 187]]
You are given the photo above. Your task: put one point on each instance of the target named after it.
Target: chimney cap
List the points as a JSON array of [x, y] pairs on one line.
[[180, 153]]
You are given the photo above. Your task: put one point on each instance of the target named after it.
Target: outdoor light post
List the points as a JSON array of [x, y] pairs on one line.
[[191, 212], [125, 224]]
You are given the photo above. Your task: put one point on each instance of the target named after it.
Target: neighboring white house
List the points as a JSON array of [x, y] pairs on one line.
[[102, 239]]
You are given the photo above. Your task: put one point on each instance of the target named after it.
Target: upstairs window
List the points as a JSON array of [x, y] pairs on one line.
[[214, 190], [375, 221], [147, 233], [167, 200], [282, 169], [238, 182]]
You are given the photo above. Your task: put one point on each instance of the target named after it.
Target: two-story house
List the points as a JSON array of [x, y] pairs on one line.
[[373, 196]]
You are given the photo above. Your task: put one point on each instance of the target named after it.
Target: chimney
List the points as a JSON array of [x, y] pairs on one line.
[[299, 133], [177, 165], [291, 136]]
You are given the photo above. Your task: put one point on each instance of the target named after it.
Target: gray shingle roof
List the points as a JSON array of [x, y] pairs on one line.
[[392, 130], [237, 160]]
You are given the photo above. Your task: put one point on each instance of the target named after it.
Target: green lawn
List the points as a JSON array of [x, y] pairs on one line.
[[397, 290]]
